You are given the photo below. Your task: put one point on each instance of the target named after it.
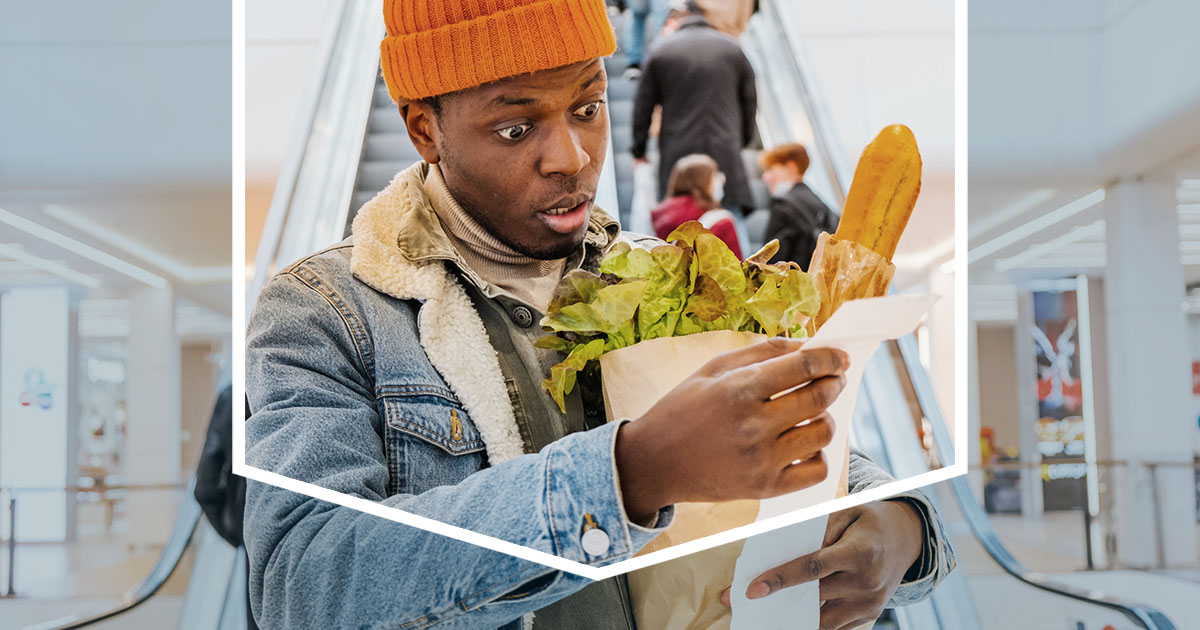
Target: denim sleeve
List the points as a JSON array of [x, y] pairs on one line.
[[937, 555], [318, 565]]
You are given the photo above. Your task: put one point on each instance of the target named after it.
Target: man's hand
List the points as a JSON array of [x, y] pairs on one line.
[[866, 552], [719, 437]]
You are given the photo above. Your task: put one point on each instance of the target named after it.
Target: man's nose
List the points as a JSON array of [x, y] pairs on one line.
[[564, 153]]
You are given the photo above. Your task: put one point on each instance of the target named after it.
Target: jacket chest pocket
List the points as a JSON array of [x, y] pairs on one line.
[[429, 441]]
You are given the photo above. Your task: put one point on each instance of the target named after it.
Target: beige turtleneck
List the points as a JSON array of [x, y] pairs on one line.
[[529, 279]]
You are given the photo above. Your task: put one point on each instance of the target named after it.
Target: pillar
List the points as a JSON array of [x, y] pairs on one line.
[[35, 398], [1032, 505], [1149, 375], [152, 438]]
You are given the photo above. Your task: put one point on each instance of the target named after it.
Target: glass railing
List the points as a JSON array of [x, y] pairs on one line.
[[171, 556], [1068, 535]]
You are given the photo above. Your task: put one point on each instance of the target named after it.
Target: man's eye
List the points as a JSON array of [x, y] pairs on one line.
[[515, 132], [589, 110]]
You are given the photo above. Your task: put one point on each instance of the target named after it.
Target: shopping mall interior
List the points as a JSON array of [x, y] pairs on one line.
[[1081, 507]]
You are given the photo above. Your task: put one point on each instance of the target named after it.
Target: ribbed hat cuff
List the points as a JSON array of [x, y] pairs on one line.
[[529, 38]]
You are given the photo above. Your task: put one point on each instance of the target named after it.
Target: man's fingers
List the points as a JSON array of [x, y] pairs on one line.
[[847, 614], [799, 476], [840, 585], [725, 599], [814, 566], [806, 440], [774, 347], [786, 371]]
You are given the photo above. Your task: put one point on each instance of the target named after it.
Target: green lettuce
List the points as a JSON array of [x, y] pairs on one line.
[[694, 284]]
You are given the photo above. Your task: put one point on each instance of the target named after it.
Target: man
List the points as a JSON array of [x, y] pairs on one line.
[[728, 16], [797, 216], [705, 86], [399, 367]]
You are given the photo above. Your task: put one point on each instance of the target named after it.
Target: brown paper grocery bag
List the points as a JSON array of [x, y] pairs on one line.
[[685, 593]]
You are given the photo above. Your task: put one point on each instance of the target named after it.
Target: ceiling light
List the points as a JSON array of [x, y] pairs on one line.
[[1004, 215], [1055, 244], [109, 236], [17, 253], [1030, 228], [80, 249]]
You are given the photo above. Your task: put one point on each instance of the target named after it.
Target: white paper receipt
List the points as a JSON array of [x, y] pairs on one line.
[[858, 327]]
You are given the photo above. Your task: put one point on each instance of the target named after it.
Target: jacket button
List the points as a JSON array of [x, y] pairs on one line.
[[595, 542], [522, 316]]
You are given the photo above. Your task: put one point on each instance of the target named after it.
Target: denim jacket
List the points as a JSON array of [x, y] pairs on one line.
[[369, 372]]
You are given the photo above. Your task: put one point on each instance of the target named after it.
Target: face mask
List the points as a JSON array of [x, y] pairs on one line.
[[781, 188], [718, 189]]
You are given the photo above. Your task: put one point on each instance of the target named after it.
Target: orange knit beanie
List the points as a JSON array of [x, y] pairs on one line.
[[435, 47]]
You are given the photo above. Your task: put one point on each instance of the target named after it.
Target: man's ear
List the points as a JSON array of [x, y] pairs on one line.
[[421, 123]]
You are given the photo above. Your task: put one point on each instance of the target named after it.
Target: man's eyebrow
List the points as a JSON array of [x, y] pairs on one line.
[[513, 101], [587, 84]]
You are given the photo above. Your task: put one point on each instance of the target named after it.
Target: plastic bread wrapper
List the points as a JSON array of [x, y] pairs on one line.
[[844, 270], [684, 593]]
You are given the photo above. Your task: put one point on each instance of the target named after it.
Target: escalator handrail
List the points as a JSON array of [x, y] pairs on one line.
[[1144, 616], [821, 129], [168, 560]]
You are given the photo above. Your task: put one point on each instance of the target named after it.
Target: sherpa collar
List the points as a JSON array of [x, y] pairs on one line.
[[401, 249]]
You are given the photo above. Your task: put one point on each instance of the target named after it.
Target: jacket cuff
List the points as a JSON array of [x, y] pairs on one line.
[[585, 508], [920, 579]]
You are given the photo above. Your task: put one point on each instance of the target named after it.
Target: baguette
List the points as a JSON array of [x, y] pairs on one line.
[[883, 193]]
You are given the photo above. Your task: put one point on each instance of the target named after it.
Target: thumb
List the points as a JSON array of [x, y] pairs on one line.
[[769, 349]]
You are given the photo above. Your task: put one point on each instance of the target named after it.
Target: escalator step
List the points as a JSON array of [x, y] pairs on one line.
[[622, 139], [377, 175], [394, 147], [361, 197], [762, 196], [621, 89], [386, 120], [620, 114], [382, 99]]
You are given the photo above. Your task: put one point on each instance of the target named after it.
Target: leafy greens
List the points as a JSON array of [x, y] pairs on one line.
[[694, 284]]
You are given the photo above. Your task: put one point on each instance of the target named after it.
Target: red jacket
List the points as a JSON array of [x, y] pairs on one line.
[[676, 211]]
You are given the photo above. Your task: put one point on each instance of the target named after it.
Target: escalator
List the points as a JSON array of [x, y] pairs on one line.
[[351, 143]]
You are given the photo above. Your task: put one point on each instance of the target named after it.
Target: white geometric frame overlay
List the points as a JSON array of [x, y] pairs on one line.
[[958, 468]]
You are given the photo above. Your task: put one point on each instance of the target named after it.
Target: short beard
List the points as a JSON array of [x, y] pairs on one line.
[[541, 251]]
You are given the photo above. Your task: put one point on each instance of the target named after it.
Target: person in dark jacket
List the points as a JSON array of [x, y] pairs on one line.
[[220, 493], [798, 216], [694, 194], [705, 86]]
